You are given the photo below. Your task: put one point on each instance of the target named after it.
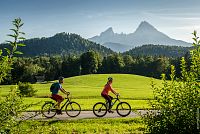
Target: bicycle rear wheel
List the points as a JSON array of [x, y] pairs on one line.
[[48, 110], [123, 109], [73, 109], [100, 109]]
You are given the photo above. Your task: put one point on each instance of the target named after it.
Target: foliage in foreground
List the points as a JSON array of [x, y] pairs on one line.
[[178, 99], [6, 60], [10, 109], [111, 126]]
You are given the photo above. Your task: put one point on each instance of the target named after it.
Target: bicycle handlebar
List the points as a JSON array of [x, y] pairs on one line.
[[118, 95], [68, 93]]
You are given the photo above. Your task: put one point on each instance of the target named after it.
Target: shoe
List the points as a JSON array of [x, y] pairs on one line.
[[58, 111], [110, 111], [112, 103]]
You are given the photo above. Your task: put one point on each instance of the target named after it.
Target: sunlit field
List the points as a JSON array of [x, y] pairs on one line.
[[86, 90]]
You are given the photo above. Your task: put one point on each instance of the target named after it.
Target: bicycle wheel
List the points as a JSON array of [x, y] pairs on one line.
[[123, 109], [48, 110], [100, 109], [73, 109]]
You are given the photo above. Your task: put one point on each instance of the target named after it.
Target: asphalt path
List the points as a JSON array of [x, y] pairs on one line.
[[83, 115]]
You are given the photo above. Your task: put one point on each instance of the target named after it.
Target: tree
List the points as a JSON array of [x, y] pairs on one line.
[[71, 66], [112, 64], [89, 62], [178, 99]]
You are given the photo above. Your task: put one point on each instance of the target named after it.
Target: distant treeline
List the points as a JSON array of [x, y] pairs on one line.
[[90, 62], [159, 50]]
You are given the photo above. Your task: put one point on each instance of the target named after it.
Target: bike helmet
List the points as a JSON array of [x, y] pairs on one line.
[[110, 78], [61, 78]]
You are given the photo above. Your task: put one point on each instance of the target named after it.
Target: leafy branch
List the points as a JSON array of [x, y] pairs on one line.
[[6, 60]]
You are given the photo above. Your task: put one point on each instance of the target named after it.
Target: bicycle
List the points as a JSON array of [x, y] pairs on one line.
[[72, 109], [100, 109]]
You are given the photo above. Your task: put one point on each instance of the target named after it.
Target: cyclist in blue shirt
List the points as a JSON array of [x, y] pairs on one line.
[[55, 87]]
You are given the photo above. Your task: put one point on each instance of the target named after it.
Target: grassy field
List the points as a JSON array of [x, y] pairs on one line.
[[86, 90], [103, 126]]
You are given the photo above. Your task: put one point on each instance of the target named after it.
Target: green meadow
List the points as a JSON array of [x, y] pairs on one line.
[[89, 126], [86, 90]]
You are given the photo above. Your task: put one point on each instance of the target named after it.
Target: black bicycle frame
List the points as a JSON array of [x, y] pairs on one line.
[[65, 103], [116, 99]]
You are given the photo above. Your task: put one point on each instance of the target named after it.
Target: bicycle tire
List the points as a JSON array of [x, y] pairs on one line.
[[73, 109], [123, 109], [48, 110], [97, 108]]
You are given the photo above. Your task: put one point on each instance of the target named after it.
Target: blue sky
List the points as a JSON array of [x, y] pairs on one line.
[[44, 18]]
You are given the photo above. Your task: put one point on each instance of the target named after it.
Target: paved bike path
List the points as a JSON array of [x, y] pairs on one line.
[[82, 115]]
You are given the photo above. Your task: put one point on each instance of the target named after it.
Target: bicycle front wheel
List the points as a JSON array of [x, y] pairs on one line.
[[100, 109], [48, 110], [73, 109], [123, 109]]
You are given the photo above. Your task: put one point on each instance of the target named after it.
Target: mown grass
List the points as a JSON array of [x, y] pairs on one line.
[[86, 90], [103, 126]]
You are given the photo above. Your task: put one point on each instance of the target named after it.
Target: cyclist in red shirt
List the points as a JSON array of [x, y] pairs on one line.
[[104, 93]]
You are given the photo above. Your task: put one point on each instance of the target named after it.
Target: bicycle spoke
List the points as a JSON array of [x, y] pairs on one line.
[[123, 109], [48, 110], [73, 109], [100, 109]]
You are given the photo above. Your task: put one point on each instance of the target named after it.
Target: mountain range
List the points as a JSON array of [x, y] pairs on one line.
[[144, 34], [73, 44]]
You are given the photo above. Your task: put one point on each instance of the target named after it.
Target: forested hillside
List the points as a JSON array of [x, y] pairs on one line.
[[60, 44], [159, 50]]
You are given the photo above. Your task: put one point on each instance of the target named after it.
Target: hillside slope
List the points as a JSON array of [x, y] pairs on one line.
[[60, 44]]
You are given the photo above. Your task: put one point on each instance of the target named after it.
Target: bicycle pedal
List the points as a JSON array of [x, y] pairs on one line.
[[58, 112], [110, 111]]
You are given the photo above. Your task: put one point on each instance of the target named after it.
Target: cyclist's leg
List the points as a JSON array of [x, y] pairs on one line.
[[58, 99], [110, 104], [108, 99]]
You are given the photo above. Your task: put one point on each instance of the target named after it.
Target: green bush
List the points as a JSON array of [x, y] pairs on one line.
[[176, 102], [26, 89], [10, 109]]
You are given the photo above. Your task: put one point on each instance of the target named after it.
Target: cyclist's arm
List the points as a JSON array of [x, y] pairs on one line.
[[113, 91], [65, 92]]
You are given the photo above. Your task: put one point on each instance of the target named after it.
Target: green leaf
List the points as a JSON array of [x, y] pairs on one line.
[[21, 45], [194, 39], [195, 33], [14, 30], [21, 38], [199, 42], [14, 36], [18, 52], [9, 42], [21, 25], [22, 33], [8, 50]]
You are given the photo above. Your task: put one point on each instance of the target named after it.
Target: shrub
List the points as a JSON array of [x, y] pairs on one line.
[[26, 89], [10, 109], [176, 102]]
